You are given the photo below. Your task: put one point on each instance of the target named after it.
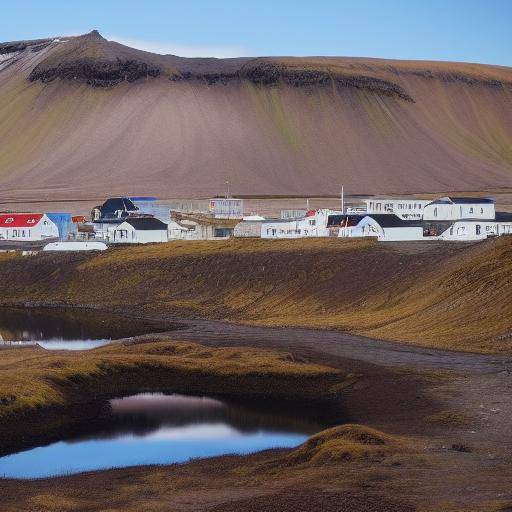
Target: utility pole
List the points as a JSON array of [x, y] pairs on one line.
[[342, 200]]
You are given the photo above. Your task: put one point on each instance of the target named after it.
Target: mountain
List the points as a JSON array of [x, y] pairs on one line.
[[83, 117]]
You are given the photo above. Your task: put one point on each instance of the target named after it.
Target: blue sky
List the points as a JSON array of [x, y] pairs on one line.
[[459, 30]]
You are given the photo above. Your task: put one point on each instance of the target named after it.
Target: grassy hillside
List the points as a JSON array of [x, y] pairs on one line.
[[87, 115], [443, 295]]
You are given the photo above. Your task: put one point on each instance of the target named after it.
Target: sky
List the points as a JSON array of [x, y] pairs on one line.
[[454, 30]]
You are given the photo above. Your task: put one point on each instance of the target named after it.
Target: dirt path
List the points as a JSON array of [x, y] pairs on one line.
[[342, 344]]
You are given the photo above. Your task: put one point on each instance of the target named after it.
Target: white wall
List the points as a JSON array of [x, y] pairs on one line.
[[403, 208], [125, 233], [311, 226], [402, 233], [44, 229], [449, 211]]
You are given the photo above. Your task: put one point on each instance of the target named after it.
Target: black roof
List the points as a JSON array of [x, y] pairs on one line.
[[472, 200], [503, 217], [147, 223], [388, 220], [117, 203]]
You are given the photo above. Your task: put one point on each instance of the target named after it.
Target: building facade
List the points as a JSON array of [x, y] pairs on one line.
[[27, 227]]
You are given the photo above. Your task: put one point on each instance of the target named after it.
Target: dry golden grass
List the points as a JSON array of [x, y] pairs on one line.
[[441, 295], [343, 443], [43, 392]]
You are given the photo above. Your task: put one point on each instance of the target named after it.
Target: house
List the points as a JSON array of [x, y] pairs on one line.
[[466, 230], [384, 227], [27, 227], [314, 224], [405, 208], [456, 208], [455, 219], [216, 207], [198, 226], [249, 227], [137, 230], [114, 209], [175, 231]]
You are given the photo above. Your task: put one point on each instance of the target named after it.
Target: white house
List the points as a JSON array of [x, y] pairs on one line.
[[27, 227], [176, 231], [137, 230], [456, 208], [249, 227], [479, 229], [384, 227], [313, 224], [455, 219], [405, 208]]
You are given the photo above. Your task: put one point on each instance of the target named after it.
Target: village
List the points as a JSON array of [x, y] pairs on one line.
[[143, 220]]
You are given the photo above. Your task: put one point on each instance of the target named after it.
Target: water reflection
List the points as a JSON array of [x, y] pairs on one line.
[[162, 429], [56, 329]]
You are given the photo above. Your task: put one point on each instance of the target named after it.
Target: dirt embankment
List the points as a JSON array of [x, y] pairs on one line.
[[44, 394], [427, 294]]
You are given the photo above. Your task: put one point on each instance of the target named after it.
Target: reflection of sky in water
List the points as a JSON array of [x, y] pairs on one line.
[[53, 324], [159, 429], [72, 344]]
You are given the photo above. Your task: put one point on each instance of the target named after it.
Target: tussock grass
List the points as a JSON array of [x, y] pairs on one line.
[[440, 295], [36, 384]]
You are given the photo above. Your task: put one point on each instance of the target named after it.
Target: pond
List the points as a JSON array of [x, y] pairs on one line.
[[161, 429], [68, 329]]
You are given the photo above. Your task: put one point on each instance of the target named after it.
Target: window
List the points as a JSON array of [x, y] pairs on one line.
[[481, 211], [478, 228], [471, 210], [312, 222], [435, 212]]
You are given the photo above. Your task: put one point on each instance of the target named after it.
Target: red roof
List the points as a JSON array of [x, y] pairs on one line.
[[20, 220]]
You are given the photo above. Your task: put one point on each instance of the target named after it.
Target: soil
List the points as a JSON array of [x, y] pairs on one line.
[[452, 407]]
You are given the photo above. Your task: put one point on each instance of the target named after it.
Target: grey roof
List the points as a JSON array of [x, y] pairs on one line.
[[147, 223]]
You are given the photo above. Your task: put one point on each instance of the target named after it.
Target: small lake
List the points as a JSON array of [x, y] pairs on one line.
[[163, 429], [66, 329]]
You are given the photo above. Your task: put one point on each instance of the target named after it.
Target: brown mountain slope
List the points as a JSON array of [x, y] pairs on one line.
[[85, 117]]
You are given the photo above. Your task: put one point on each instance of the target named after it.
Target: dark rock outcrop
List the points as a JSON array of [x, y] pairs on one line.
[[98, 73], [19, 46], [271, 73]]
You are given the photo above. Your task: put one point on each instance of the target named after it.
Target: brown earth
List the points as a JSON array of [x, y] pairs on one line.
[[429, 429], [446, 444], [455, 296], [84, 117]]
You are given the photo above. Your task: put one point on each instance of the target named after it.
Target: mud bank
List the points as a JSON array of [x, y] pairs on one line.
[[427, 294], [44, 396]]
